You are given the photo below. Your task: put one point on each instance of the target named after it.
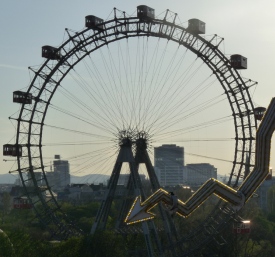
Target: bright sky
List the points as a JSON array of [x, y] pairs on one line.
[[247, 26]]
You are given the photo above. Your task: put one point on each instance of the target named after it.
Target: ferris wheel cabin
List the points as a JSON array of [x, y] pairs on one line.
[[242, 227], [12, 150], [259, 112], [196, 26], [145, 12], [238, 61], [51, 53], [94, 22], [21, 203], [22, 97]]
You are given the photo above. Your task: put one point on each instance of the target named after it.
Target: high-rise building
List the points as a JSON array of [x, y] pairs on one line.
[[62, 170], [59, 178], [169, 164], [198, 173]]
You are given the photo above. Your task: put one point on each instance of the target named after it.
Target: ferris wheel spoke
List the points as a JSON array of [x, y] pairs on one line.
[[112, 89], [182, 140], [75, 143], [88, 155], [164, 106], [168, 93], [181, 114], [98, 100], [100, 83], [153, 67], [194, 127], [157, 87], [84, 108], [82, 119], [119, 89], [161, 94], [77, 131], [96, 164], [199, 110]]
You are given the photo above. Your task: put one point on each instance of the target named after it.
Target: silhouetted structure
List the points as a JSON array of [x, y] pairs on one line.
[[169, 162]]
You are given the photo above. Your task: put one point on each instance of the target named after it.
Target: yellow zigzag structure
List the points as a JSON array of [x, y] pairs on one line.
[[140, 211]]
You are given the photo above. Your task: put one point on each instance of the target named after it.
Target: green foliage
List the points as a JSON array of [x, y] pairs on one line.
[[271, 199], [262, 229], [6, 247], [6, 201], [26, 238], [104, 243]]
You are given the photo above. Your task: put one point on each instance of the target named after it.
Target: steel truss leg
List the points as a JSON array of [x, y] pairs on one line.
[[150, 224], [125, 155], [169, 227]]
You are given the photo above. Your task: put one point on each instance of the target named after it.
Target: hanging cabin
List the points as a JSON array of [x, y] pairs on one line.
[[241, 227], [238, 61], [259, 112], [50, 52], [94, 22], [22, 97], [145, 12], [12, 150], [21, 203], [196, 26]]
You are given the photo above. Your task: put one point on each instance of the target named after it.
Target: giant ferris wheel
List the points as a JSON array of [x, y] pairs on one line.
[[116, 89]]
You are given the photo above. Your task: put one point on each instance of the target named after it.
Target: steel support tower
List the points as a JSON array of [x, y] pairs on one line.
[[134, 189]]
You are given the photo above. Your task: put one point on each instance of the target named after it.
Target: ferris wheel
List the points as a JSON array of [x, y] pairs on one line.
[[131, 82]]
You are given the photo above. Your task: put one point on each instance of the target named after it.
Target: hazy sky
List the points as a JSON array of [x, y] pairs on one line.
[[248, 27]]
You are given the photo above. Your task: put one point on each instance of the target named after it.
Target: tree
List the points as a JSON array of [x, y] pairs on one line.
[[6, 247], [271, 199], [6, 205]]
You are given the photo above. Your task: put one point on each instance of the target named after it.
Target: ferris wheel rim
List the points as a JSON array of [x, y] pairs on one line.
[[206, 47]]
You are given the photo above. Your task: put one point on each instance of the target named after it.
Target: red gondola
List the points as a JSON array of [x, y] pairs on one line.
[[22, 203], [241, 227]]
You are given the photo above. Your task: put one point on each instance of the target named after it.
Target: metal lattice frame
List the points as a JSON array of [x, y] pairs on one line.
[[49, 76]]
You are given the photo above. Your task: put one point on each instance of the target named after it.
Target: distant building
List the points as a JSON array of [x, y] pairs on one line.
[[62, 169], [169, 164], [37, 177], [198, 173], [124, 178], [82, 193], [59, 178]]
